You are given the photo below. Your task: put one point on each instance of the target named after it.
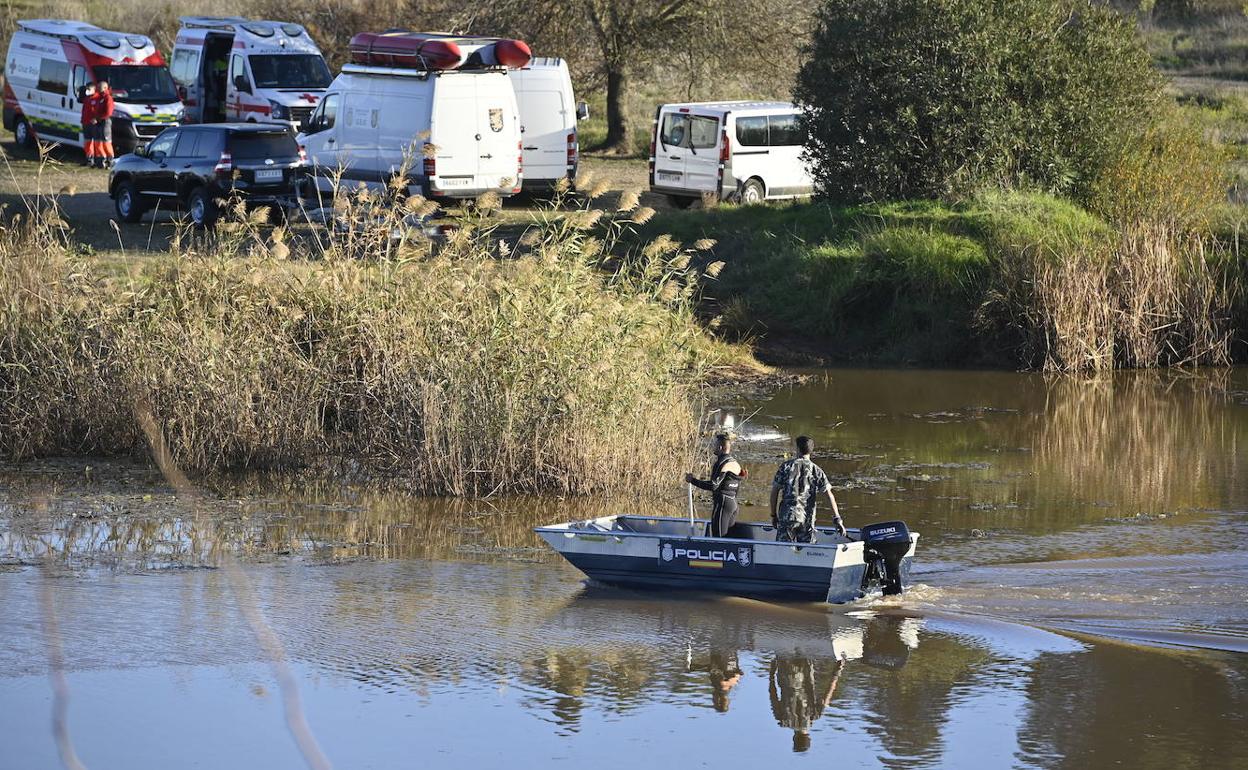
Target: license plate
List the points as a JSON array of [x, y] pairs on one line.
[[668, 176], [454, 181], [268, 174]]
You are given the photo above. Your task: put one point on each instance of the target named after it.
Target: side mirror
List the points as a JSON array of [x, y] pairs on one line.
[[181, 93], [155, 157], [582, 111], [240, 82]]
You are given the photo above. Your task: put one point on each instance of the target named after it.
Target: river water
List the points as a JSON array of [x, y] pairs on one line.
[[1081, 601]]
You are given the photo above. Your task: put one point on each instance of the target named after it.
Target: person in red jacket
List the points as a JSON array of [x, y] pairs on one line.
[[89, 142], [104, 115]]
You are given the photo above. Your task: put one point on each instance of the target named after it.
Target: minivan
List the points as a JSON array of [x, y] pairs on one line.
[[738, 151]]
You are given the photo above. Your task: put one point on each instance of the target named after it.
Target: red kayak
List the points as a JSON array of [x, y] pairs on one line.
[[405, 49], [435, 51]]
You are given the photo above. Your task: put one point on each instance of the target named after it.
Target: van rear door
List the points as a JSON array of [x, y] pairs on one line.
[[670, 150], [476, 133], [498, 125], [185, 70], [702, 160]]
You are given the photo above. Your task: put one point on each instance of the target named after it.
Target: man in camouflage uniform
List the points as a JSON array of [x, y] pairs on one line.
[[795, 489]]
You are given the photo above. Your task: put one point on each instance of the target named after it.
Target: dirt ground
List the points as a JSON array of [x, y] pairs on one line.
[[83, 195]]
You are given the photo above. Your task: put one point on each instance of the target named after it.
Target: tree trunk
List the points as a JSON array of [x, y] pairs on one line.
[[618, 141]]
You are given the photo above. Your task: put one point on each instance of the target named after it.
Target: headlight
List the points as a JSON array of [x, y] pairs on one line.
[[279, 111], [179, 114]]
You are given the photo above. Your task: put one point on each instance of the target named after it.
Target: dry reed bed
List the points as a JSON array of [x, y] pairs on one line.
[[1147, 295], [464, 373]]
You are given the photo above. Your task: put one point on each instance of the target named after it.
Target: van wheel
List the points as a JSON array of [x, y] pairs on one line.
[[201, 207], [680, 201], [753, 192], [22, 133], [126, 201]]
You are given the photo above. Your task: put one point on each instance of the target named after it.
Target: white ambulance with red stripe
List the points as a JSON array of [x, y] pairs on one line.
[[230, 69], [51, 60]]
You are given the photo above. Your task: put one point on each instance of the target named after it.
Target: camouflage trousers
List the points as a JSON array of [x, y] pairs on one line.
[[794, 527]]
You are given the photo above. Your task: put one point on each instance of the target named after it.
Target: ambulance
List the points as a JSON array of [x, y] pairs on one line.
[[230, 69], [51, 60]]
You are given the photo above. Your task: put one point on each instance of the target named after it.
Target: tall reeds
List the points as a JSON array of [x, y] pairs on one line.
[[1147, 295], [461, 371]]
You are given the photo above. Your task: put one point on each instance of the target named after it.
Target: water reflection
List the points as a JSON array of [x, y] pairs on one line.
[[800, 693], [451, 614], [747, 681]]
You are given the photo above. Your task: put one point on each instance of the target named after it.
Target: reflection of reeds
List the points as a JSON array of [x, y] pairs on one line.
[[1125, 437], [262, 515]]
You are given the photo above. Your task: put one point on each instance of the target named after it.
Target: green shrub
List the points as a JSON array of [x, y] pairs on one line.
[[928, 98]]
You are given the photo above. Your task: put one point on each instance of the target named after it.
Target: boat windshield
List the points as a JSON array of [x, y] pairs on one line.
[[290, 71], [139, 83]]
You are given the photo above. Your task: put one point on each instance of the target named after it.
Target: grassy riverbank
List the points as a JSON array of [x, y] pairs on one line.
[[461, 371], [1005, 279]]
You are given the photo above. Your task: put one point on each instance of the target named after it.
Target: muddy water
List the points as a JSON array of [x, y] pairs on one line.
[[1082, 603]]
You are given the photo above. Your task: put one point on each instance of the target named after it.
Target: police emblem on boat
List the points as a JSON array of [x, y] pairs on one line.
[[680, 553], [496, 119]]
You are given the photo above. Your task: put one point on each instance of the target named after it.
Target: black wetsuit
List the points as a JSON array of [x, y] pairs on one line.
[[723, 486]]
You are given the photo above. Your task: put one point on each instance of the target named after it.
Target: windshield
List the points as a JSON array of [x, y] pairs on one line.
[[149, 85], [290, 71]]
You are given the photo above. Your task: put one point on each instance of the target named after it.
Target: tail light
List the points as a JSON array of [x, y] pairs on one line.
[[430, 166], [303, 154], [225, 164], [572, 148]]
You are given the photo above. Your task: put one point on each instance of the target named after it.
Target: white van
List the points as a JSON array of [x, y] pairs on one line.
[[457, 131], [744, 151], [548, 116], [229, 69], [49, 62]]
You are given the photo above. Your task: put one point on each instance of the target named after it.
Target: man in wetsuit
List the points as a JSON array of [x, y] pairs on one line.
[[723, 485], [796, 488]]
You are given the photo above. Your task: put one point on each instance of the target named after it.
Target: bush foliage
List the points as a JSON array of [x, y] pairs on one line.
[[931, 98]]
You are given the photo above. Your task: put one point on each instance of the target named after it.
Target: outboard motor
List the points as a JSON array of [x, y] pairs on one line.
[[884, 545]]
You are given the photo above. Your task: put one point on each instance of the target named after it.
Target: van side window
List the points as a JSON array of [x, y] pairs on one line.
[[329, 111], [185, 67], [704, 131], [675, 129], [786, 131], [53, 76], [752, 132]]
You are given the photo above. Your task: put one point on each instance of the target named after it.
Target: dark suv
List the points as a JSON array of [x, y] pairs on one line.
[[195, 167]]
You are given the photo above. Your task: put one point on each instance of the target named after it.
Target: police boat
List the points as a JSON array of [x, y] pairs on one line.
[[675, 553]]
